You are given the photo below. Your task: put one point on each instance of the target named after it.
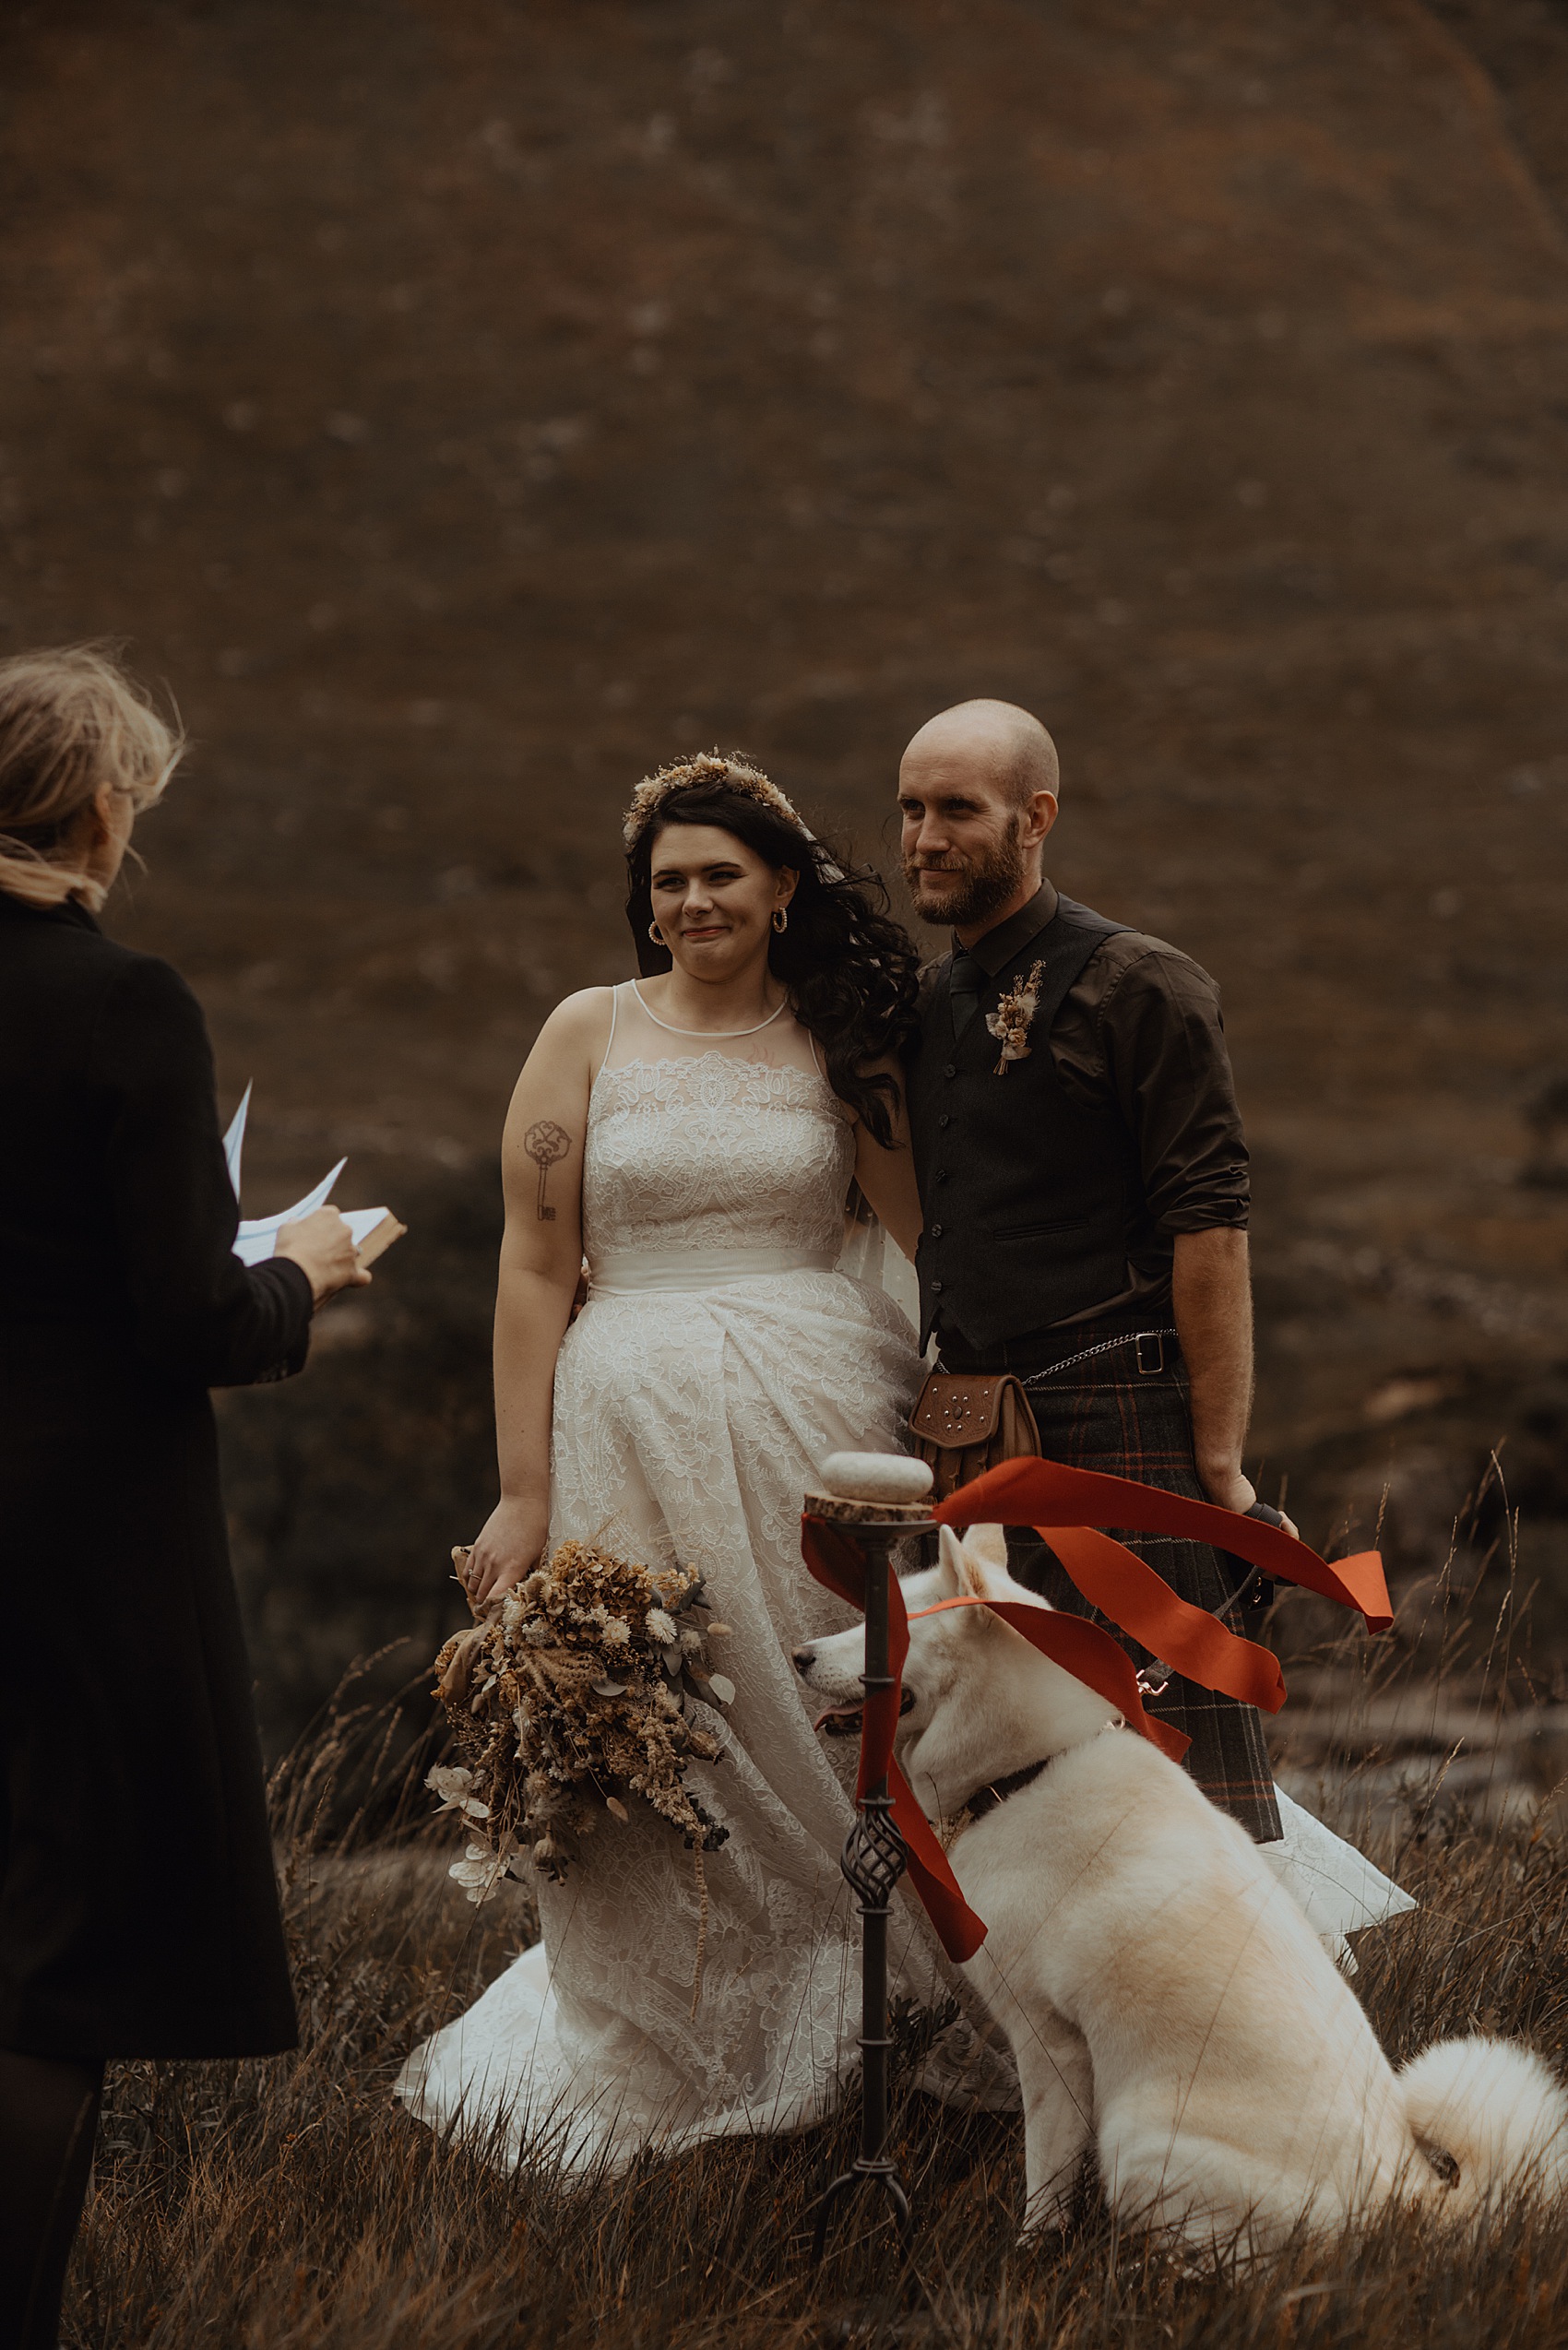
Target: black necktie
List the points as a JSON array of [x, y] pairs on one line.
[[967, 982]]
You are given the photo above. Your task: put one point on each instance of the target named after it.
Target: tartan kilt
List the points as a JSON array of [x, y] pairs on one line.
[[1128, 1423]]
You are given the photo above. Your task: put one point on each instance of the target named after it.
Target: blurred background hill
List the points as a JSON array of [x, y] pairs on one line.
[[466, 404]]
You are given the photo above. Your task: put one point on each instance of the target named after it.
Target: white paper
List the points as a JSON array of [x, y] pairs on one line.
[[234, 1140], [258, 1241], [257, 1236]]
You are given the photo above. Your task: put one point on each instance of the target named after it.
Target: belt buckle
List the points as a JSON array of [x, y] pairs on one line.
[[1155, 1338]]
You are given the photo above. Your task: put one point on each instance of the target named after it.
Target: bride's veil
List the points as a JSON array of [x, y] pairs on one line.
[[872, 1255]]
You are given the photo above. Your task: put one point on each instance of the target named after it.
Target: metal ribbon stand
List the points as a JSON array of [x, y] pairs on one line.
[[873, 1860]]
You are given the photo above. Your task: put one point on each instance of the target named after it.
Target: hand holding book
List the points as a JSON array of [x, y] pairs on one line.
[[373, 1230]]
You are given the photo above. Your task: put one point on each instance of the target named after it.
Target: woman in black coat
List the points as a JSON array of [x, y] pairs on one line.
[[138, 1909]]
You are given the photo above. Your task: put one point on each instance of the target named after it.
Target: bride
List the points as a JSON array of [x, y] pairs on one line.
[[695, 1134]]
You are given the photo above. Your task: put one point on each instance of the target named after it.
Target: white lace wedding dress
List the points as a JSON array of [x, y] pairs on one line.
[[718, 1361], [720, 1358]]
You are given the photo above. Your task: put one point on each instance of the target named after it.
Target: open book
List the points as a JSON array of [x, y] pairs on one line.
[[375, 1228]]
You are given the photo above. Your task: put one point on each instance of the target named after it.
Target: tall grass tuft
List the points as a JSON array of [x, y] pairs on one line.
[[288, 2205]]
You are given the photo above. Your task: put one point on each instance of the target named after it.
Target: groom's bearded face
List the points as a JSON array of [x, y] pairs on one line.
[[964, 886]]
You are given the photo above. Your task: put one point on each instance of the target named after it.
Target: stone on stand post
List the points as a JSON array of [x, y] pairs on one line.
[[877, 1500]]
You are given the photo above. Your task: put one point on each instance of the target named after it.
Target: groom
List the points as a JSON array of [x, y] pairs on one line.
[[1086, 1212]]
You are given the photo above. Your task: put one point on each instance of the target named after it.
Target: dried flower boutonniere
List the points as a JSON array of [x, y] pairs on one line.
[[1011, 1019]]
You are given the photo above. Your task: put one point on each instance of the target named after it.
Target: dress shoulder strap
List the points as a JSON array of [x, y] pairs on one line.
[[614, 1011]]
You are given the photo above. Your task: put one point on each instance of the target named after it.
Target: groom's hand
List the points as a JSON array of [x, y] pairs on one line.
[[1229, 1489]]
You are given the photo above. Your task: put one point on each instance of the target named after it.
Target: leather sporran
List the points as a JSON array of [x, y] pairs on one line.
[[963, 1425]]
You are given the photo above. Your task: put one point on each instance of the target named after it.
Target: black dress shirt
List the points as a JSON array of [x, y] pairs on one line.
[[1141, 1028]]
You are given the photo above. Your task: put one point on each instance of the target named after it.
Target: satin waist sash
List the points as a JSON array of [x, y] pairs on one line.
[[621, 1271]]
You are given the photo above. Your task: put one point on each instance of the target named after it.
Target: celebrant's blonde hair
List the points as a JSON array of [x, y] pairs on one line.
[[71, 720]]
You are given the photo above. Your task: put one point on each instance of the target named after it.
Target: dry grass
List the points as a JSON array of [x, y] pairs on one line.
[[288, 2205]]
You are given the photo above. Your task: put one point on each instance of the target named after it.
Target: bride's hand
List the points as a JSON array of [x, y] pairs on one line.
[[509, 1546]]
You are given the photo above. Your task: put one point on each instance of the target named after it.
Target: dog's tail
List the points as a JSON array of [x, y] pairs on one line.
[[1497, 2111]]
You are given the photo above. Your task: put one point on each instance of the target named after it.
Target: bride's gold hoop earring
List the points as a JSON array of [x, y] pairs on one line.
[[780, 917], [656, 934]]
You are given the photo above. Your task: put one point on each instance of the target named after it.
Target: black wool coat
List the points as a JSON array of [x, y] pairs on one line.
[[139, 1905]]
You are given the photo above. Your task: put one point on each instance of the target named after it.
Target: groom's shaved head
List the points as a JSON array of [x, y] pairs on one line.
[[977, 796], [996, 736]]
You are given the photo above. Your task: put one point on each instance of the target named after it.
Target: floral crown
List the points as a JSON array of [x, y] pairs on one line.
[[706, 769]]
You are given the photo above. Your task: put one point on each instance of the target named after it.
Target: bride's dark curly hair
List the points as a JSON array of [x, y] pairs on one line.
[[851, 969]]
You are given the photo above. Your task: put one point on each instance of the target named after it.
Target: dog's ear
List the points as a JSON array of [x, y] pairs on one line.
[[985, 1554], [950, 1561]]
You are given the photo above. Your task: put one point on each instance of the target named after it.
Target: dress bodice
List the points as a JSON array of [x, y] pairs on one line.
[[711, 1151]]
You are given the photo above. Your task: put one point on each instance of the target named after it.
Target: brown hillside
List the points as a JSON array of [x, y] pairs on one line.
[[466, 405]]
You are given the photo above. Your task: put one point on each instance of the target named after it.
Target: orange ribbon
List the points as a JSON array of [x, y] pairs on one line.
[[835, 1559], [1190, 1640], [1053, 1498], [1057, 1501]]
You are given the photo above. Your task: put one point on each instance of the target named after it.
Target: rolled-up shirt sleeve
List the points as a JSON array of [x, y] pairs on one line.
[[1163, 1046]]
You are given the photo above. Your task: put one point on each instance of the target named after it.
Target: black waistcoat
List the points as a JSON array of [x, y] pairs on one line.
[[1028, 1196]]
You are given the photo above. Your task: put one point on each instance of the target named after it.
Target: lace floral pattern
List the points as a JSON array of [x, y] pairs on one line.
[[715, 1152], [686, 1428]]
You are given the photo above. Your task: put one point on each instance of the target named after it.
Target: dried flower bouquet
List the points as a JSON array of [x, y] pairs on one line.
[[574, 1695]]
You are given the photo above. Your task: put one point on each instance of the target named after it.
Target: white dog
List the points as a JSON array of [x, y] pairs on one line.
[[1162, 1992]]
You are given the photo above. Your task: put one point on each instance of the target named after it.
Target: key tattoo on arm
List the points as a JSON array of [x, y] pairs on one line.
[[545, 1142]]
